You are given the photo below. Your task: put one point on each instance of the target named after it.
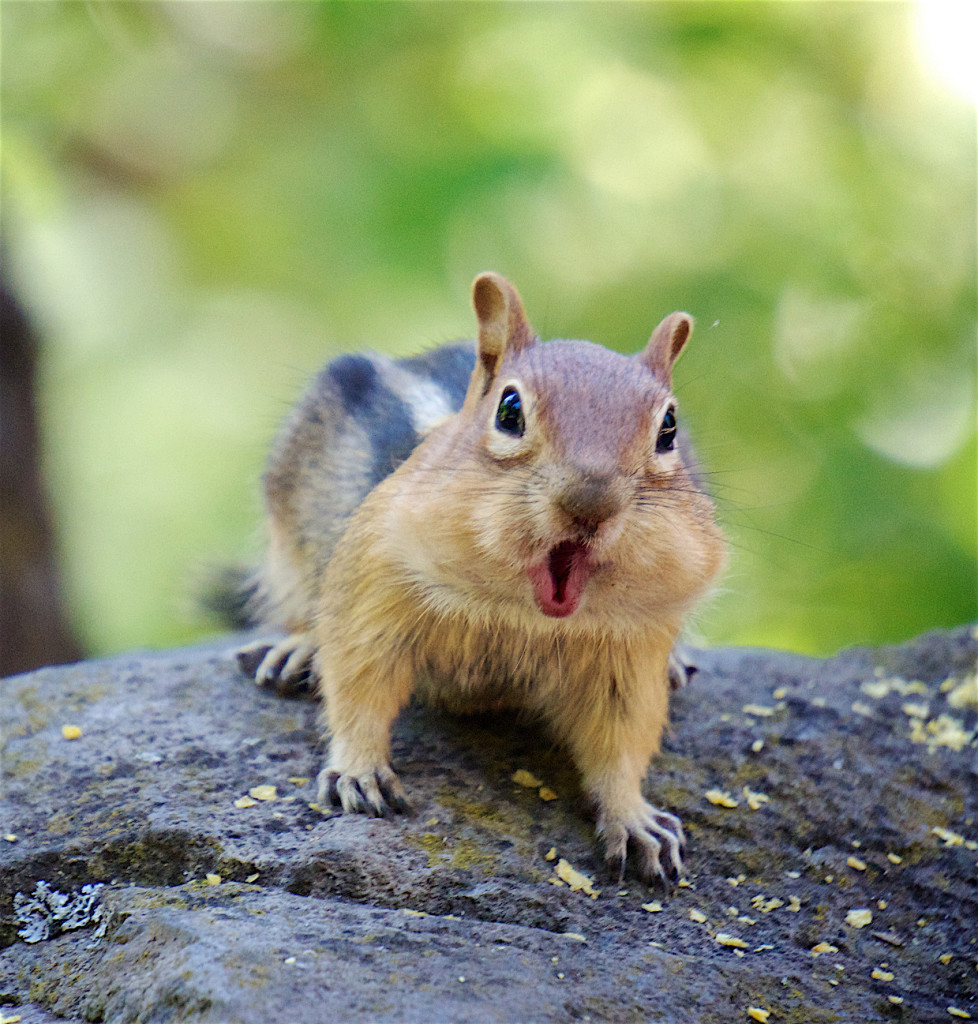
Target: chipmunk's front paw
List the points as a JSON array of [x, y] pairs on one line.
[[286, 665], [377, 792], [655, 836], [681, 668]]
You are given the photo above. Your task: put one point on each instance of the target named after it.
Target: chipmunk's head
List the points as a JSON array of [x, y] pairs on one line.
[[587, 496]]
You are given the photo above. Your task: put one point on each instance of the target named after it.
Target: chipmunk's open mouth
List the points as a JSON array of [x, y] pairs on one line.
[[559, 580]]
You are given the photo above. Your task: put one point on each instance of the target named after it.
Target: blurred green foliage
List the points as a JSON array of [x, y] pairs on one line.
[[204, 201]]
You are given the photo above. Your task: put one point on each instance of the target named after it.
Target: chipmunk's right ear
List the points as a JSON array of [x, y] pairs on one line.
[[666, 343], [502, 322]]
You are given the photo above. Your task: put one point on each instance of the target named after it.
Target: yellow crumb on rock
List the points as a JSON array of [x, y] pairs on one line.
[[299, 780], [758, 1013], [765, 906], [964, 696], [212, 879], [947, 731], [725, 939], [856, 864], [244, 802], [914, 686], [755, 801], [950, 838], [263, 793], [824, 947], [942, 731], [961, 1014], [859, 917], [551, 854], [757, 710], [697, 915], [880, 975], [546, 794], [881, 687], [71, 732], [526, 779], [721, 798], [577, 881], [654, 907]]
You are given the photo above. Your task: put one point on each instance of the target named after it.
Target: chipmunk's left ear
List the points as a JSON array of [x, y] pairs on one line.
[[502, 322], [666, 343]]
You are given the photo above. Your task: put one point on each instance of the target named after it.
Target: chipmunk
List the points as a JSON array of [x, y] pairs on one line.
[[509, 523]]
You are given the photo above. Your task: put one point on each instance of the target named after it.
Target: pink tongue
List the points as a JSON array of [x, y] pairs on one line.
[[559, 580]]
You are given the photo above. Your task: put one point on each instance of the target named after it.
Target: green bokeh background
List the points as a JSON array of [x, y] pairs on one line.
[[203, 202]]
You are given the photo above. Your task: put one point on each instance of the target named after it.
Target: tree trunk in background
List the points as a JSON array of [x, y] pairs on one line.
[[34, 629]]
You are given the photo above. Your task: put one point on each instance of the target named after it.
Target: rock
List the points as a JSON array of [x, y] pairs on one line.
[[162, 900]]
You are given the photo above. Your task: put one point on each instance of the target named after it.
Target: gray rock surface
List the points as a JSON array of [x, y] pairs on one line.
[[451, 913]]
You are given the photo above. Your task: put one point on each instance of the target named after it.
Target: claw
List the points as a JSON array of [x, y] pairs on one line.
[[374, 799], [656, 837], [652, 863], [681, 670], [251, 656], [298, 666], [326, 782], [286, 664], [392, 790], [377, 793]]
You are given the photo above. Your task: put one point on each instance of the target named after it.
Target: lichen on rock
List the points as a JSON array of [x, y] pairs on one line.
[[47, 912]]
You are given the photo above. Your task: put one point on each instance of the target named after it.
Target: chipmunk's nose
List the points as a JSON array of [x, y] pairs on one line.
[[589, 500]]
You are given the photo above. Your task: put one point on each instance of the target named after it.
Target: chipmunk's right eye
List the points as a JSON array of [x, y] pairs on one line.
[[509, 415], [666, 440]]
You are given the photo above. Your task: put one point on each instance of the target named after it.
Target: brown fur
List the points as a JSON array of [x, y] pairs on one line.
[[429, 588]]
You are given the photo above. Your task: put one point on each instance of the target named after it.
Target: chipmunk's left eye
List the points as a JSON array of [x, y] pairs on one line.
[[509, 415], [666, 440]]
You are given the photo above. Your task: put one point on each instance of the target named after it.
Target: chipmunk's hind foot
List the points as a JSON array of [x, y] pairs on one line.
[[286, 665], [378, 792], [656, 837]]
